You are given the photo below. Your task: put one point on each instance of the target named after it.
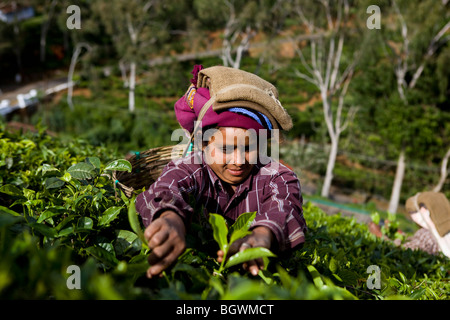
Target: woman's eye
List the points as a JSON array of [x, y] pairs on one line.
[[227, 150], [231, 150]]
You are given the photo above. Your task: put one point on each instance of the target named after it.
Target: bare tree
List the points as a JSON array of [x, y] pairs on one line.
[[403, 66], [324, 72], [402, 56], [76, 53], [134, 30], [444, 172], [128, 23], [235, 33]]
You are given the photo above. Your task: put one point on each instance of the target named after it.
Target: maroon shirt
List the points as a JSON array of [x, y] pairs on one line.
[[274, 192]]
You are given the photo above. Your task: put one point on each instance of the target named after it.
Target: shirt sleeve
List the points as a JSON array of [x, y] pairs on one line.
[[281, 210], [170, 192]]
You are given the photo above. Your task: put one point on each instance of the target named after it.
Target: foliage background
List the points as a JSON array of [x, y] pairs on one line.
[[185, 33]]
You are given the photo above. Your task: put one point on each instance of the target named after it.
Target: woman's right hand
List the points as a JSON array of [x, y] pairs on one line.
[[166, 237]]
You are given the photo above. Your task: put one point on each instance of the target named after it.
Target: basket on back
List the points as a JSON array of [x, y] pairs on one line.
[[146, 168]]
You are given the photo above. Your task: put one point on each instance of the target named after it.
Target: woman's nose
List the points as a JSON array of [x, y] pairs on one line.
[[238, 157]]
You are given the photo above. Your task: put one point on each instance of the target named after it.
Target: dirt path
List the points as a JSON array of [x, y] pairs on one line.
[[10, 92]]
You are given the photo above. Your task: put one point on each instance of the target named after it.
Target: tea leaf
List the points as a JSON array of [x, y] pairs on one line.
[[53, 183], [239, 229], [109, 215], [267, 276], [94, 161], [44, 230], [134, 221], [47, 169], [220, 231], [333, 265], [8, 219], [375, 216], [317, 279], [49, 213], [66, 231], [247, 255], [11, 190], [11, 212], [103, 255], [245, 290], [243, 221], [126, 235], [119, 165], [82, 171], [66, 177], [84, 224]]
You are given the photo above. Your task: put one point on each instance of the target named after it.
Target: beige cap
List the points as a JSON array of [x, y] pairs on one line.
[[437, 204], [230, 87]]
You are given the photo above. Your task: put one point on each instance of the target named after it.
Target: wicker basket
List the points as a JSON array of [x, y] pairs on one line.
[[146, 168]]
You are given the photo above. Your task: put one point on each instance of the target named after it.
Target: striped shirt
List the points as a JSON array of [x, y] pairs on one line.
[[272, 191]]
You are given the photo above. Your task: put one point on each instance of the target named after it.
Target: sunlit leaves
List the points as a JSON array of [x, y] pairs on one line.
[[134, 221], [109, 215], [82, 171], [220, 230], [238, 230], [119, 165], [247, 255]]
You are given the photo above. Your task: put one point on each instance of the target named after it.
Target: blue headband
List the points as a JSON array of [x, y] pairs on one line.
[[255, 115]]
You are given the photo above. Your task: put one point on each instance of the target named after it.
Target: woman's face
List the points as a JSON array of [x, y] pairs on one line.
[[231, 153], [422, 218]]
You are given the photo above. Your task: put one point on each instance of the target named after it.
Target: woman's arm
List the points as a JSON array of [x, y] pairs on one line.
[[281, 210], [165, 212]]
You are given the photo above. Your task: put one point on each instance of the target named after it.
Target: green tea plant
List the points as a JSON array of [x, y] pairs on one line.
[[59, 207], [238, 230]]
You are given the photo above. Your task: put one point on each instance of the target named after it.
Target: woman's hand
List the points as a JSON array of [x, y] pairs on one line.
[[260, 237], [166, 237]]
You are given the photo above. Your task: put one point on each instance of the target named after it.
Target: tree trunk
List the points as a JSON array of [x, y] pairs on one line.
[[325, 74], [123, 72], [70, 77], [334, 137], [443, 172], [132, 86], [73, 63], [396, 189], [330, 167]]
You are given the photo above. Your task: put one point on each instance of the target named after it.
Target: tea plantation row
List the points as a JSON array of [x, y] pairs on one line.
[[60, 211]]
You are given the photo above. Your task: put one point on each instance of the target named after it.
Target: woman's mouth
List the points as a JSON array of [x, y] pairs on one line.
[[235, 172]]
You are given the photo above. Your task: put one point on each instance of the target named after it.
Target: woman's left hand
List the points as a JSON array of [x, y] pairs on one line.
[[260, 237]]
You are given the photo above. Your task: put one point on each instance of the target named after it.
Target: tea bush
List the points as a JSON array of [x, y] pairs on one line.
[[60, 208]]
